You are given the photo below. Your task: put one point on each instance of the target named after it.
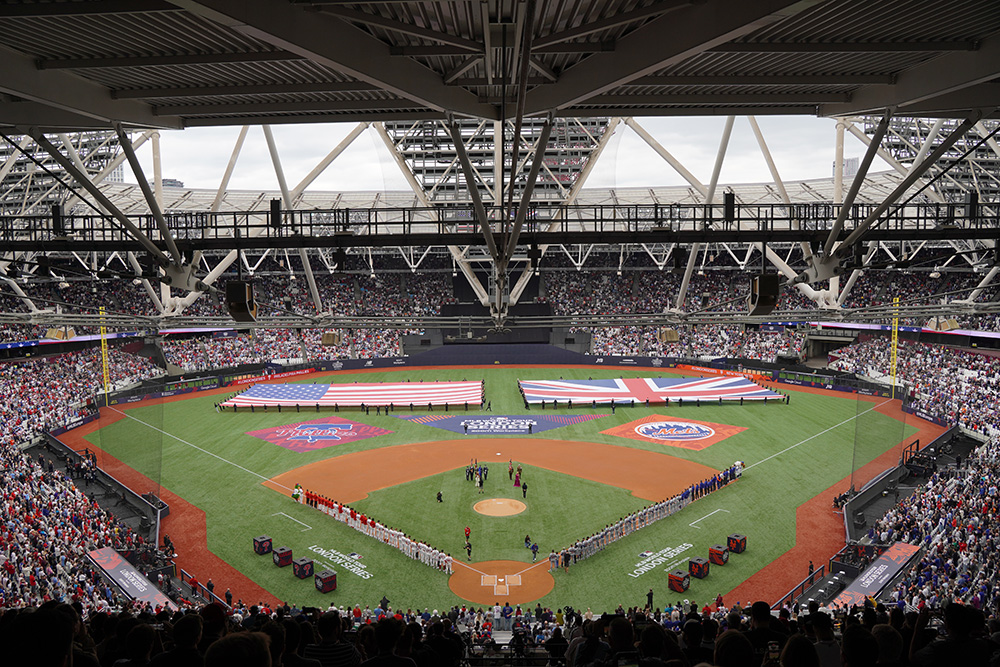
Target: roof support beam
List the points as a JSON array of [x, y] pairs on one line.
[[255, 89], [71, 93], [335, 43], [522, 282], [915, 173], [659, 43], [843, 47], [163, 61], [666, 155], [776, 177], [727, 132], [472, 183], [84, 180], [90, 8], [529, 188], [151, 200], [230, 166], [936, 77], [328, 160], [286, 196], [890, 160], [859, 179], [760, 80], [403, 28], [618, 19], [457, 254]]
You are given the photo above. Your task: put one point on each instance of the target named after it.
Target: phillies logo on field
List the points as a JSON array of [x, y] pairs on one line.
[[674, 431], [314, 433], [318, 433]]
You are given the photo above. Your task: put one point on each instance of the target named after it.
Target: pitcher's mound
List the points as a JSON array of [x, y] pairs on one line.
[[500, 507]]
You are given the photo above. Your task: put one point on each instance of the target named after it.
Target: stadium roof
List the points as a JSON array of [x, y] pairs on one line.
[[148, 63], [129, 197]]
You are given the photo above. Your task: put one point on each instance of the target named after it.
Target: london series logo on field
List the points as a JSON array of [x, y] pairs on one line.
[[674, 431]]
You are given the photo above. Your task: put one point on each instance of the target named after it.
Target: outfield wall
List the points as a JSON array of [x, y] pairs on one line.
[[513, 354]]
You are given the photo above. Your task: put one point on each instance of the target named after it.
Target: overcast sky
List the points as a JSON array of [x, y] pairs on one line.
[[803, 148]]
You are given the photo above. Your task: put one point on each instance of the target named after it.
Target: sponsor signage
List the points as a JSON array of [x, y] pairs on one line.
[[675, 432], [318, 434], [128, 579], [499, 424], [720, 371], [877, 576], [250, 379]]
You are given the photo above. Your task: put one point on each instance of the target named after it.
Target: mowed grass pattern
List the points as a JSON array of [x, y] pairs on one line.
[[206, 458]]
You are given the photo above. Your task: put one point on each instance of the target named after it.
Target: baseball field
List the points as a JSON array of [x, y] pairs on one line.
[[228, 478]]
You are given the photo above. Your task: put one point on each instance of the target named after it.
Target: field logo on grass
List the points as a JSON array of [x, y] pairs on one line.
[[317, 434], [654, 560], [673, 432], [348, 562], [499, 424]]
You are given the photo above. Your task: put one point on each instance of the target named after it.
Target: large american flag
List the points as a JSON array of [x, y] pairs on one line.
[[369, 393], [655, 390]]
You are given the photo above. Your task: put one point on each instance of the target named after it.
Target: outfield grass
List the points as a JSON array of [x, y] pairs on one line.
[[206, 458]]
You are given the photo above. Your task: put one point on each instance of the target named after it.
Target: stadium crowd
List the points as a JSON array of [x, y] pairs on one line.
[[955, 385], [49, 524], [954, 517], [673, 635]]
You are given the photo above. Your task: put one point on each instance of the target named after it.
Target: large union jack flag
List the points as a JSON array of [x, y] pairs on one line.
[[655, 390], [368, 393]]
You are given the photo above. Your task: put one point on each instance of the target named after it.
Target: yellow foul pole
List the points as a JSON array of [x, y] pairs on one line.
[[895, 342], [104, 357]]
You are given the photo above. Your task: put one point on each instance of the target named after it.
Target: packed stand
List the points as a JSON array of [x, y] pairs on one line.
[[951, 384], [954, 518], [42, 394], [698, 341]]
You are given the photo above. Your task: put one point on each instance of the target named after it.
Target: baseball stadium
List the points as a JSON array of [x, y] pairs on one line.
[[506, 413]]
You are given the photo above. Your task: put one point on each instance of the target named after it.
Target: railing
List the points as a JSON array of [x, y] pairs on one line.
[[461, 219], [199, 589], [801, 587]]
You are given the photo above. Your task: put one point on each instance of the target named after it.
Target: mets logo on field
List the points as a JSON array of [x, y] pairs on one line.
[[674, 431]]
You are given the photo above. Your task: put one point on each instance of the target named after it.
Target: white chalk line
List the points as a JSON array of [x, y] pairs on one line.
[[816, 435], [307, 526], [204, 451], [706, 516]]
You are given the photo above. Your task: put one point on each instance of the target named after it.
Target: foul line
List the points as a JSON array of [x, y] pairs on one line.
[[204, 451], [814, 436], [307, 526], [705, 517], [458, 562], [530, 567]]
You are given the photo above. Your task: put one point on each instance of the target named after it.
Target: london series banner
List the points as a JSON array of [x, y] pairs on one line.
[[877, 575], [499, 424], [318, 434], [128, 579]]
